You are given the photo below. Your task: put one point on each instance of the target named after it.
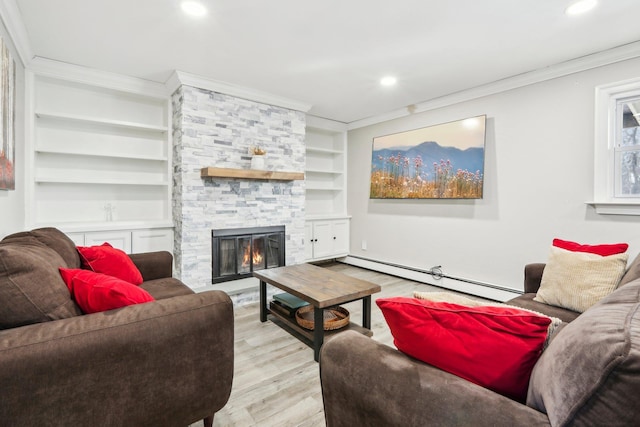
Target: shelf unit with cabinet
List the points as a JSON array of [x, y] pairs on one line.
[[327, 222], [326, 238], [98, 148], [325, 170]]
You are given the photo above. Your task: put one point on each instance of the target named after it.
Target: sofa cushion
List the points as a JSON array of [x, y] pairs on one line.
[[95, 292], [31, 289], [632, 273], [54, 239], [166, 287], [590, 373], [111, 261], [495, 347], [577, 280], [526, 301]]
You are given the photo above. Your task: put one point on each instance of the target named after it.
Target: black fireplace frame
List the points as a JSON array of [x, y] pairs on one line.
[[251, 232]]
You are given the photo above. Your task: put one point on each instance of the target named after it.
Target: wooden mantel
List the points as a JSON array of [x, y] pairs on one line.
[[250, 174]]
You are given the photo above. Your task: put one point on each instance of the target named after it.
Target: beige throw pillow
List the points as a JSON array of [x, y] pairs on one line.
[[451, 298], [578, 280]]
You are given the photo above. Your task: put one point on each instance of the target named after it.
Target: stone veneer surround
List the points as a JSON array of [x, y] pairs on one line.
[[214, 129]]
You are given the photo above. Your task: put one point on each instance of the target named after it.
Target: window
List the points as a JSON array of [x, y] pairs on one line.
[[617, 149], [627, 148]]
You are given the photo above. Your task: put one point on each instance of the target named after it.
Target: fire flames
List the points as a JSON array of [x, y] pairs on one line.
[[248, 254]]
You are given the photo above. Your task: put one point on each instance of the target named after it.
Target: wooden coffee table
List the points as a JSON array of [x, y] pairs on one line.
[[322, 288]]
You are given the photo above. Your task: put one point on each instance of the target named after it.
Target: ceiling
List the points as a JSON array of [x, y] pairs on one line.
[[329, 53]]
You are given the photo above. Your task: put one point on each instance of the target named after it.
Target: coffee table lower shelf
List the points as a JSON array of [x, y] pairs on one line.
[[307, 335]]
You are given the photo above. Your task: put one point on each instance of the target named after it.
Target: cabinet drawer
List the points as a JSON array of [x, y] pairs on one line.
[[117, 239], [151, 240]]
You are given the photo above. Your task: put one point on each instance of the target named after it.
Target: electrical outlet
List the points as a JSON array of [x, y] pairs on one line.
[[364, 245]]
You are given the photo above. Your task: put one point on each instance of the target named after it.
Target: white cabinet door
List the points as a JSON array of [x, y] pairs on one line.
[[151, 240], [322, 239], [117, 239], [340, 231], [308, 240]]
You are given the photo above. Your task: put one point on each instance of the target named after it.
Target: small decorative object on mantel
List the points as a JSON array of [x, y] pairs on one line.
[[257, 161]]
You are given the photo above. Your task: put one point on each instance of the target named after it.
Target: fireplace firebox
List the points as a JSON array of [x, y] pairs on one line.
[[237, 252]]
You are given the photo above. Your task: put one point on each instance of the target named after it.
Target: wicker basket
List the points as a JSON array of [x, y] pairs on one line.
[[334, 317]]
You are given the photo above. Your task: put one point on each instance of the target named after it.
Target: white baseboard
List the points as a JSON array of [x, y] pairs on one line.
[[483, 290]]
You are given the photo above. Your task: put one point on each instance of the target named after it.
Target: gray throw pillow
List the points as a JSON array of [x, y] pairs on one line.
[[54, 239], [31, 288], [590, 373]]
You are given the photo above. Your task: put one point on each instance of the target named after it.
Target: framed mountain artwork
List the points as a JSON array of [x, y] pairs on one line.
[[444, 161], [7, 117]]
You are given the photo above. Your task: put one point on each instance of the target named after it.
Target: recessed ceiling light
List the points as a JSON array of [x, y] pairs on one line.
[[388, 81], [193, 8], [580, 6]]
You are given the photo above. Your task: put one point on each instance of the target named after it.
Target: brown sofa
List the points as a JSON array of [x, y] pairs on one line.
[[164, 363], [588, 375]]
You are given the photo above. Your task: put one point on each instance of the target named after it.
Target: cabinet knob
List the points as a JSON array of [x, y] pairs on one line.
[[334, 237]]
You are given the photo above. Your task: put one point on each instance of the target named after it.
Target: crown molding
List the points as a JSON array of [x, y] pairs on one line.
[[12, 20], [600, 59], [76, 73], [179, 78], [316, 122]]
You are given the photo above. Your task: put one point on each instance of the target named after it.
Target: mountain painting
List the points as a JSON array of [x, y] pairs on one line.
[[444, 161]]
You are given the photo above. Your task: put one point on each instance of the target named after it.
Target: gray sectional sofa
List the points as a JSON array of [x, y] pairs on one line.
[[588, 376]]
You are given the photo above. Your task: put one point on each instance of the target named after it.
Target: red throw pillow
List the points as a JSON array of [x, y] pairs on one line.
[[108, 260], [603, 250], [494, 347], [95, 292]]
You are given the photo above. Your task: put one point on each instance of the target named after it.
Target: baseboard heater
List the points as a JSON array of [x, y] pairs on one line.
[[482, 289]]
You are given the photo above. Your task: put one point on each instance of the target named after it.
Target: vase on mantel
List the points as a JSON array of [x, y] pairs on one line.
[[257, 162]]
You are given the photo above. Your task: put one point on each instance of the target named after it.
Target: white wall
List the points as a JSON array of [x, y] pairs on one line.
[[538, 176], [12, 215]]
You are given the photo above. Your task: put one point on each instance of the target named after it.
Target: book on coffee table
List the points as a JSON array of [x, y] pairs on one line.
[[290, 301], [282, 309]]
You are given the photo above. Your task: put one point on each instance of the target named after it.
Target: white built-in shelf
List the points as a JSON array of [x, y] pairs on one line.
[[329, 172], [319, 187], [323, 150], [326, 217], [101, 121], [100, 149], [99, 181], [104, 225], [96, 154], [325, 185]]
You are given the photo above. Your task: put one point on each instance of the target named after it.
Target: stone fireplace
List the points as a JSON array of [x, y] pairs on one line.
[[238, 252], [212, 129]]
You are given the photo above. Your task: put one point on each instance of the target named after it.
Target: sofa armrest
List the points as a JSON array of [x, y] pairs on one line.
[[168, 362], [368, 383], [533, 277], [153, 265]]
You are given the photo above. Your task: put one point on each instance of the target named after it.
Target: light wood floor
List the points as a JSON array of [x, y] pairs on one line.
[[276, 381]]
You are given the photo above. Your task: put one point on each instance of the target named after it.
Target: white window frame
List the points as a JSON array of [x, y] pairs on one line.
[[607, 122]]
